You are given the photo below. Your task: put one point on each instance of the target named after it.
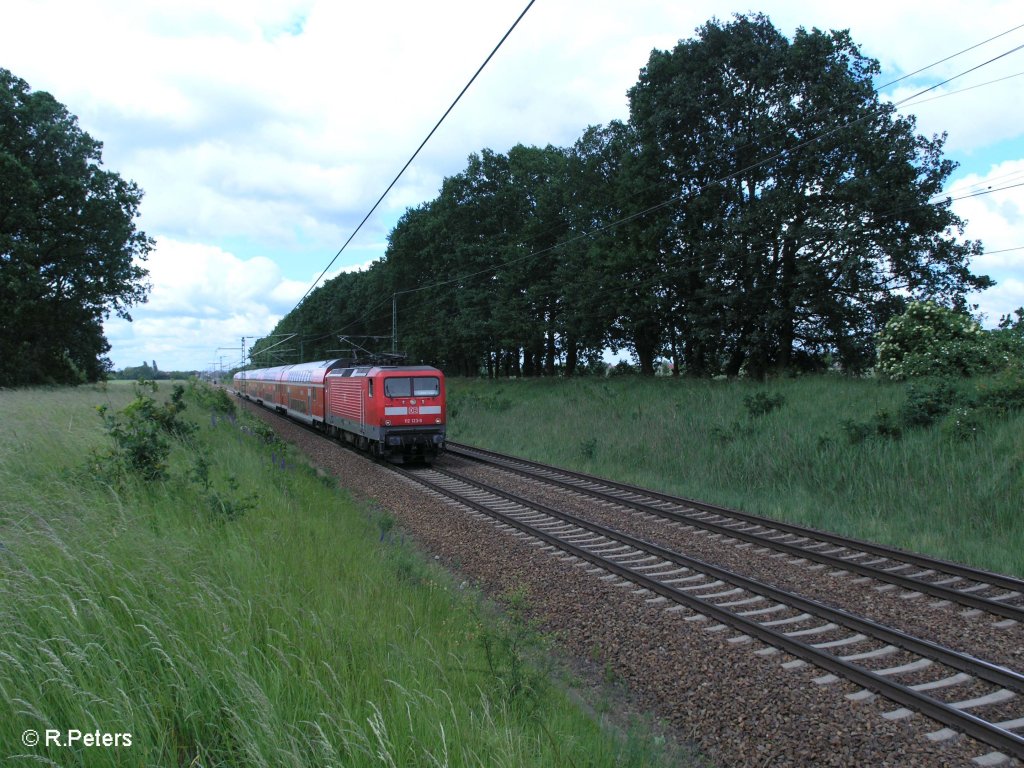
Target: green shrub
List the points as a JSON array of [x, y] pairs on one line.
[[884, 424], [140, 446], [622, 368], [141, 432], [588, 448], [761, 403], [1006, 344], [856, 432], [927, 404], [1003, 394], [962, 424], [932, 340], [215, 398], [887, 425]]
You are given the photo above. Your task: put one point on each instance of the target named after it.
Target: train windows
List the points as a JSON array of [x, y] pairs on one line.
[[416, 386], [398, 386], [426, 386]]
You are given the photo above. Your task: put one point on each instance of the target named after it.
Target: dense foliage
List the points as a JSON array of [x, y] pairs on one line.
[[803, 200], [68, 243], [1006, 343], [929, 340], [762, 210]]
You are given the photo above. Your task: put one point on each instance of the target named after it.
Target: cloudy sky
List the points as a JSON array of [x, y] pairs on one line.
[[263, 131]]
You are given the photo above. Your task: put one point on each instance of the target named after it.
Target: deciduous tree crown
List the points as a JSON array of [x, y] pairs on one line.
[[69, 248]]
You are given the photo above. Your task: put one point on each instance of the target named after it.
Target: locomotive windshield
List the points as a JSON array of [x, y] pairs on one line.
[[412, 386]]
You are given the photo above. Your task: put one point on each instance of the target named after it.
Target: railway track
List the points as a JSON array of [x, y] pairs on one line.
[[975, 589], [962, 693]]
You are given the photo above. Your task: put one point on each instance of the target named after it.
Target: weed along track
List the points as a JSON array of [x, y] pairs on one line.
[[722, 656]]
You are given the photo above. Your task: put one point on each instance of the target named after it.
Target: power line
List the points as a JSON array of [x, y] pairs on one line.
[[420, 147], [1003, 250], [986, 183], [964, 90], [690, 193], [988, 191], [954, 77], [948, 58]]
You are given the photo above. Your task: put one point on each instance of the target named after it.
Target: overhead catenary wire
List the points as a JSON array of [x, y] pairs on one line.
[[963, 90], [689, 193], [948, 58], [418, 149], [986, 183], [979, 193]]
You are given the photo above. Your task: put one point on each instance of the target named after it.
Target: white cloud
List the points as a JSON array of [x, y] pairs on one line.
[[1000, 300], [995, 215], [972, 117], [204, 297]]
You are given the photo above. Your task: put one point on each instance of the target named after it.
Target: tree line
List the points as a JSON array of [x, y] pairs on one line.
[[762, 209]]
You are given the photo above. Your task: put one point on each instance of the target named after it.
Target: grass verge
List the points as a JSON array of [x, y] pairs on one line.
[[238, 609]]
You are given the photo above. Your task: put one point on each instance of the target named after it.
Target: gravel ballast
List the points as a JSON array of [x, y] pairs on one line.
[[734, 700]]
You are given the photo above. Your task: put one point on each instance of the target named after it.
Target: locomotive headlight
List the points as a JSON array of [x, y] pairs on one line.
[[437, 421], [387, 422]]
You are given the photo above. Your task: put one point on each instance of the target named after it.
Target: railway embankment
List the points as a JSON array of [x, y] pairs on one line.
[[743, 706]]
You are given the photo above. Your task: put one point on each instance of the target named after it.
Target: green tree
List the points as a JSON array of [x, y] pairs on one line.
[[804, 207], [486, 250], [69, 249], [619, 283], [443, 260]]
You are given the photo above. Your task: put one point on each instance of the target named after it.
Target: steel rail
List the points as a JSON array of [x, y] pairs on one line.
[[989, 605], [993, 673], [976, 727], [984, 731]]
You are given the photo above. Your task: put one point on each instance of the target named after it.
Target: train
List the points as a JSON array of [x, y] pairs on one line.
[[395, 412]]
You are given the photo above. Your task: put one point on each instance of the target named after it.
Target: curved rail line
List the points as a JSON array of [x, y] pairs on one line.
[[758, 610], [889, 566], [778, 618]]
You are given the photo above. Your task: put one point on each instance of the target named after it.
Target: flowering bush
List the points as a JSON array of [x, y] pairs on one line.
[[932, 340]]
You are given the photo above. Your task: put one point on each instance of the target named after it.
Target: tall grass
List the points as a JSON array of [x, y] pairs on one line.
[[928, 490], [294, 631]]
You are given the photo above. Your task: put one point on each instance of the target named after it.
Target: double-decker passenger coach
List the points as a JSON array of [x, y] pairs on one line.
[[395, 412]]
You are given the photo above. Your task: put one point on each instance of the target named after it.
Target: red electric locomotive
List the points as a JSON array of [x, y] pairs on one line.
[[397, 412]]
